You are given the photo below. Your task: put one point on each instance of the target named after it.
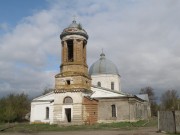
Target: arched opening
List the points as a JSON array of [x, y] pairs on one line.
[[112, 85], [113, 107], [99, 84], [68, 100], [47, 112], [70, 50]]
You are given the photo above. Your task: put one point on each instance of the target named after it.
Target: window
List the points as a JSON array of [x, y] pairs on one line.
[[113, 110], [68, 82], [70, 50], [68, 100], [112, 85], [47, 112], [99, 84]]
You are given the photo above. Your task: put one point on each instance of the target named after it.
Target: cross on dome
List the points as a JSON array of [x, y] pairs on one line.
[[102, 54], [74, 18]]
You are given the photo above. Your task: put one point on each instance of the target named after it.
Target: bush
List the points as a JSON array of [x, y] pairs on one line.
[[14, 107]]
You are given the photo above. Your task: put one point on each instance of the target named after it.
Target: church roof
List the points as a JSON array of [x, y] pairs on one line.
[[49, 97], [74, 29], [103, 66], [73, 24], [143, 96]]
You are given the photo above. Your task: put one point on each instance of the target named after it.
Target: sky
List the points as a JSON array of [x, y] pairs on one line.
[[140, 37]]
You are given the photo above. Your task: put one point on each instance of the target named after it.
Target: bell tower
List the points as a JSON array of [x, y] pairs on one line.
[[73, 74]]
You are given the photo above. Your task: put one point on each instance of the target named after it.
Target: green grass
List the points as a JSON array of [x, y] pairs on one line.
[[26, 127]]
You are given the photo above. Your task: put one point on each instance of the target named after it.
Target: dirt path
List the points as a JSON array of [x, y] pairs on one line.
[[140, 131]]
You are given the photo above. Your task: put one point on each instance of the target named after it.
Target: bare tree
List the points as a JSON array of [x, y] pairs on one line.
[[169, 100], [47, 90], [150, 91]]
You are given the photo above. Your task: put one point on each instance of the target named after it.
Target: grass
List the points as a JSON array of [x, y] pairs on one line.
[[26, 127]]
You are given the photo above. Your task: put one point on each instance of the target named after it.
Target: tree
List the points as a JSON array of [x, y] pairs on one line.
[[150, 91], [47, 90], [169, 100], [22, 106], [14, 107], [2, 111]]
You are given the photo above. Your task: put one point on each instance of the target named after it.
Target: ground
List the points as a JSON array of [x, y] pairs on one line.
[[139, 131], [120, 128]]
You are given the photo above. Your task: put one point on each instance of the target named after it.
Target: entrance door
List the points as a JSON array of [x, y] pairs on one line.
[[68, 114]]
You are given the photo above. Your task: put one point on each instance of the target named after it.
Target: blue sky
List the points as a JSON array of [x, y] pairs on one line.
[[140, 37], [12, 11]]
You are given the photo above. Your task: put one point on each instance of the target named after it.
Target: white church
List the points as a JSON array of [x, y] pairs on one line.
[[86, 97]]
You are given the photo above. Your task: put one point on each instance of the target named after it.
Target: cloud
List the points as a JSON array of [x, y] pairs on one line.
[[24, 54], [4, 26], [140, 37]]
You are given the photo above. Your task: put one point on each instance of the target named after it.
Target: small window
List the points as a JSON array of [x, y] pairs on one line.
[[99, 84], [68, 82], [113, 110], [68, 100], [112, 85], [47, 112]]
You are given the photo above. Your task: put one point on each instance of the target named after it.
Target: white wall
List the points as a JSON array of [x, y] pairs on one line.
[[76, 96], [100, 92], [59, 106], [38, 108], [38, 112], [106, 80]]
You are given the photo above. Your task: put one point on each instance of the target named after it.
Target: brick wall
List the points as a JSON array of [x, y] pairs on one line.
[[90, 110]]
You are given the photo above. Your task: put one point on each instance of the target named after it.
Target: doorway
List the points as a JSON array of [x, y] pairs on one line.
[[68, 114]]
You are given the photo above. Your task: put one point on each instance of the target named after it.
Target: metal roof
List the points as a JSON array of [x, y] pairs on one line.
[[143, 96], [74, 29], [103, 66], [73, 24]]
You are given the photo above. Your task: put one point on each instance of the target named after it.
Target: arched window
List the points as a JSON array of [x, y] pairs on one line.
[[47, 112], [113, 110], [99, 84], [112, 85], [68, 100], [70, 49]]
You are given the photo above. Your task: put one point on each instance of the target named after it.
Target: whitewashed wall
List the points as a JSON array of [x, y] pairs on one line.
[[100, 92], [38, 108], [38, 112], [59, 107], [106, 80]]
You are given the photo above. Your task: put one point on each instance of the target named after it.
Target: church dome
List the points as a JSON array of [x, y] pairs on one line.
[[103, 66], [74, 29]]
